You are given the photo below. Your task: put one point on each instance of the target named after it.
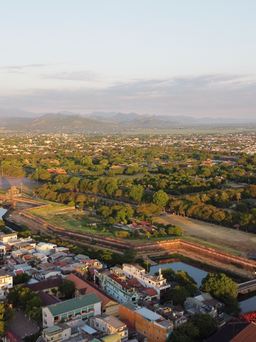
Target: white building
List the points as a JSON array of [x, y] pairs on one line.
[[46, 248], [158, 283], [6, 282]]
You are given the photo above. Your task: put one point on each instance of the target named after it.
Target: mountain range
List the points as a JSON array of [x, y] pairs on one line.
[[17, 119]]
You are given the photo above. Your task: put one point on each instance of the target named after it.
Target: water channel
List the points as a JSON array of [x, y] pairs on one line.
[[198, 274], [247, 302]]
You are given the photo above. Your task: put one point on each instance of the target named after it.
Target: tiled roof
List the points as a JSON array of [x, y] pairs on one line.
[[90, 288], [73, 304], [248, 334], [151, 292], [47, 299], [119, 281], [46, 284]]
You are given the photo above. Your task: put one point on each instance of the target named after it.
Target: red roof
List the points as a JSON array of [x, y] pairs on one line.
[[151, 292], [119, 281], [18, 272], [248, 334], [133, 281], [63, 264], [13, 337], [89, 289]]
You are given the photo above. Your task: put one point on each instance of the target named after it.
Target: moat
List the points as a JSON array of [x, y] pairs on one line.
[[247, 302]]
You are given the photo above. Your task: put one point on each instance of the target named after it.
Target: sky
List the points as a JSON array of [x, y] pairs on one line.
[[162, 57]]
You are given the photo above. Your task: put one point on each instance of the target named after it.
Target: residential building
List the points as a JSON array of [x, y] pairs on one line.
[[150, 324], [49, 286], [46, 248], [158, 283], [6, 237], [203, 304], [81, 307], [109, 324], [6, 282], [114, 284], [108, 305], [120, 289]]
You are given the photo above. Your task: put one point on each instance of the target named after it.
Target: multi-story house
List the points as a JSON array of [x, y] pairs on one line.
[[108, 305], [83, 307], [46, 248], [6, 282], [150, 324], [158, 283], [6, 237], [110, 324], [120, 289]]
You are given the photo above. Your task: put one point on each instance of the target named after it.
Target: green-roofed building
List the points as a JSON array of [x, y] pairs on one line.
[[83, 307]]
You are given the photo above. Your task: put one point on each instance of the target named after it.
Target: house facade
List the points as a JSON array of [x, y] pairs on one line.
[[146, 322], [6, 282], [111, 325], [158, 283]]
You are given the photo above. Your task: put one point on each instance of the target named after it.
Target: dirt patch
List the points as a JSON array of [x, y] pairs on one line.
[[222, 236]]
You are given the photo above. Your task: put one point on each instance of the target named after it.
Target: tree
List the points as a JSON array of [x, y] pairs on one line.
[[21, 278], [6, 315], [206, 324], [175, 230], [111, 188], [136, 192], [67, 287], [222, 288], [160, 198], [186, 332]]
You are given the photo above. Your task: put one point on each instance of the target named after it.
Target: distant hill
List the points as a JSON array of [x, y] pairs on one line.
[[101, 121], [16, 112], [55, 122]]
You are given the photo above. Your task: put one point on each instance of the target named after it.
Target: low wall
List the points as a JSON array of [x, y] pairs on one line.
[[166, 246]]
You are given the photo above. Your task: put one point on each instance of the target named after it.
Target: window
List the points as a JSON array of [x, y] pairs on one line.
[[64, 316], [59, 336], [77, 312]]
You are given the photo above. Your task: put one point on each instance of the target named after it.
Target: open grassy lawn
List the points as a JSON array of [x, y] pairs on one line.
[[137, 175], [53, 207], [80, 222]]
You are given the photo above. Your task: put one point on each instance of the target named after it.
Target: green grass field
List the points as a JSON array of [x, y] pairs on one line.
[[48, 209], [137, 175]]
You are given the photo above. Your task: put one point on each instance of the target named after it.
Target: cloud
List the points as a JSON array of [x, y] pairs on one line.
[[19, 68], [73, 75], [206, 95]]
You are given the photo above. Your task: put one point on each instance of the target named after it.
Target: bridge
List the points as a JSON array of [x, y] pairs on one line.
[[246, 287]]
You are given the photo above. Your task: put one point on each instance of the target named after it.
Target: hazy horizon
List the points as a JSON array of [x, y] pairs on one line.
[[159, 58]]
